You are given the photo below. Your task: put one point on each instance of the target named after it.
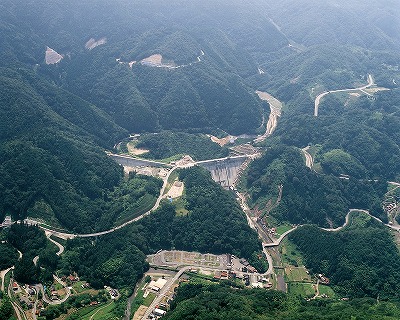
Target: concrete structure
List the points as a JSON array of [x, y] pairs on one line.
[[224, 171], [128, 161]]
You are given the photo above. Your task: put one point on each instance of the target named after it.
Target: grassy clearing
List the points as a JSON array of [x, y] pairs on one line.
[[103, 313], [283, 228], [78, 287], [83, 313], [143, 205], [305, 290], [358, 220], [326, 290], [291, 256], [175, 157], [140, 300], [57, 286], [180, 206], [171, 179], [149, 299], [294, 274], [7, 279]]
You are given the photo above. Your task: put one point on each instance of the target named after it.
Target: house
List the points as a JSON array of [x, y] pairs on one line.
[[72, 278], [15, 286], [251, 269], [159, 312], [323, 279]]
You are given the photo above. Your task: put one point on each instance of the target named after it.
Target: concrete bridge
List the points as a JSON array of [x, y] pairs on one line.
[[225, 170], [128, 161]]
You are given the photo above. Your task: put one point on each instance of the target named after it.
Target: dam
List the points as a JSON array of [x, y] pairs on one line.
[[225, 171]]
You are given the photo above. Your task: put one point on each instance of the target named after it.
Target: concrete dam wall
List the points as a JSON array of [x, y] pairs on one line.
[[127, 161], [224, 171]]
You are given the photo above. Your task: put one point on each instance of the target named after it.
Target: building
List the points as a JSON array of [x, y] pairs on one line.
[[157, 285], [159, 312]]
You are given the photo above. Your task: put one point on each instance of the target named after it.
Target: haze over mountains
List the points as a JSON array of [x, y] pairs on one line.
[[189, 70], [298, 45]]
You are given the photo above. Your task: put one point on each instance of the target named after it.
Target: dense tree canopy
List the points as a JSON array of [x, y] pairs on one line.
[[309, 197], [349, 258], [205, 301]]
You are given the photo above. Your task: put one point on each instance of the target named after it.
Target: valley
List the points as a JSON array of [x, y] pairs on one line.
[[197, 160]]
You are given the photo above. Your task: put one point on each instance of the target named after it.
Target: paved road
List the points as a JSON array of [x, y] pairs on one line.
[[279, 240], [347, 218], [63, 235], [59, 245], [2, 275], [269, 259], [39, 287], [319, 97], [18, 310], [163, 291]]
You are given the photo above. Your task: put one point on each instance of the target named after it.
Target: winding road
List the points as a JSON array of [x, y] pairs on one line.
[[39, 287], [347, 219], [320, 96], [66, 236], [59, 245]]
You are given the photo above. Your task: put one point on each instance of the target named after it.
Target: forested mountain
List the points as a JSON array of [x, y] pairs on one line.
[[207, 38], [49, 141], [373, 24], [349, 258], [77, 77], [307, 196], [214, 223], [198, 302]]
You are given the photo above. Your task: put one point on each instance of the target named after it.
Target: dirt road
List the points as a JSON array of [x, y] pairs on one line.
[[276, 111], [309, 158]]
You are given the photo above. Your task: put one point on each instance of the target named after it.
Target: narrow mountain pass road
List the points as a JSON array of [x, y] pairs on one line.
[[59, 245], [322, 95], [347, 220], [3, 275], [39, 287]]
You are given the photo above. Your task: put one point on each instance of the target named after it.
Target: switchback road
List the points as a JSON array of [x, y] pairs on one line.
[[319, 97]]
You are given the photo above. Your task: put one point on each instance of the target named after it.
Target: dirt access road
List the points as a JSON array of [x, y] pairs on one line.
[[319, 97], [308, 156], [276, 111]]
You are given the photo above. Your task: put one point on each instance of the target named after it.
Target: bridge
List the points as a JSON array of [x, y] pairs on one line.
[[225, 171]]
